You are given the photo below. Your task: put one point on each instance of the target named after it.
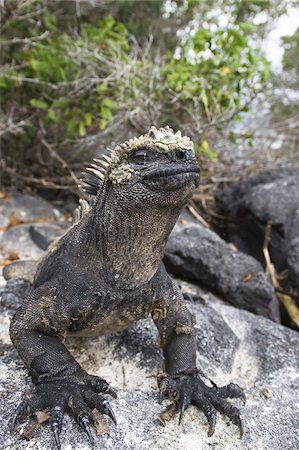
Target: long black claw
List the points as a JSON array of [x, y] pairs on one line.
[[56, 423], [212, 423], [241, 428], [209, 411], [22, 412], [183, 405], [85, 423], [105, 408]]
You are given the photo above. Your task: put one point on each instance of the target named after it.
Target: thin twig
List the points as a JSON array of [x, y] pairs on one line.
[[285, 298], [191, 208], [25, 40], [61, 160]]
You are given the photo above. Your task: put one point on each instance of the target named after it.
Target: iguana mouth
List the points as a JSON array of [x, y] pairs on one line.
[[171, 178]]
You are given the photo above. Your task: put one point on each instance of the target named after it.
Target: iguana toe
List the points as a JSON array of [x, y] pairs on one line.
[[189, 389], [79, 399], [101, 385]]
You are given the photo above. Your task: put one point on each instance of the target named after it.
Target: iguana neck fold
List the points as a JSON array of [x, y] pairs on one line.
[[129, 234]]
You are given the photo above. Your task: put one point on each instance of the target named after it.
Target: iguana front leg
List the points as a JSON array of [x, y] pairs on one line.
[[61, 383], [183, 381]]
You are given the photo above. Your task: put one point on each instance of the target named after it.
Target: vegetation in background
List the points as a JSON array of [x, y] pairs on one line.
[[290, 57], [78, 76]]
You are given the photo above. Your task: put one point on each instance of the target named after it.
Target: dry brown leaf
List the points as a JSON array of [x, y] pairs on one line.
[[29, 430], [100, 423], [184, 221], [167, 414], [4, 196], [266, 393], [286, 299], [12, 256], [291, 307], [15, 220], [42, 416]]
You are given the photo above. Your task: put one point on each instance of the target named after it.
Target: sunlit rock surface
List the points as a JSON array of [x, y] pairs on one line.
[[233, 346]]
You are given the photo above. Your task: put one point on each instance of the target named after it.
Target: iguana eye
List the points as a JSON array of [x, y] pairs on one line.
[[140, 157]]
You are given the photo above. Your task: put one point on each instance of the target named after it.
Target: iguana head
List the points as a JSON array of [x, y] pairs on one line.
[[159, 162]]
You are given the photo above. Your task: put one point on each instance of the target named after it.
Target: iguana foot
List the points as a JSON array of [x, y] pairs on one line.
[[189, 389], [77, 398]]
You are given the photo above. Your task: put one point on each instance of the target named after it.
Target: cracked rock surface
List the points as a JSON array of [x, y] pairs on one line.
[[233, 346], [200, 255], [251, 203]]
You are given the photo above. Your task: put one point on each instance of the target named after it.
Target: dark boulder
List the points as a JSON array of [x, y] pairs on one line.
[[250, 204], [292, 248], [196, 253]]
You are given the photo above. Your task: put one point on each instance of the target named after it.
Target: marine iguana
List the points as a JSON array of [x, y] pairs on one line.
[[106, 273]]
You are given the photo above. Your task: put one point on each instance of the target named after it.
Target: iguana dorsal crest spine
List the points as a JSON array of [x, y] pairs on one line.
[[113, 166]]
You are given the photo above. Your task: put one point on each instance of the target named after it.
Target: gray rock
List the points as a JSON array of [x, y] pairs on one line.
[[241, 193], [249, 204], [21, 212], [260, 355], [12, 294], [201, 255], [17, 240], [25, 208]]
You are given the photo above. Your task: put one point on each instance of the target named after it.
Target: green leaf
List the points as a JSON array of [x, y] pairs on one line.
[[39, 104], [33, 63], [88, 119], [102, 124], [205, 145], [106, 113], [101, 88], [82, 129], [3, 83], [204, 99], [233, 137], [205, 149], [50, 21], [71, 128], [52, 116], [108, 103]]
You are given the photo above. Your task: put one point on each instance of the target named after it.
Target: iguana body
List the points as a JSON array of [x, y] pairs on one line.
[[105, 273]]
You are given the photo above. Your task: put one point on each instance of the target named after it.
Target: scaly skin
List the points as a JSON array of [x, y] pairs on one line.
[[106, 273]]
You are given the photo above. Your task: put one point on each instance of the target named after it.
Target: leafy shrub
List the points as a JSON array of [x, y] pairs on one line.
[[66, 90]]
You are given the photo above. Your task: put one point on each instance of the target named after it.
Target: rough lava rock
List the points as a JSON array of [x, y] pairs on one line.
[[249, 204], [17, 239], [199, 254], [233, 346], [21, 213], [25, 208]]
